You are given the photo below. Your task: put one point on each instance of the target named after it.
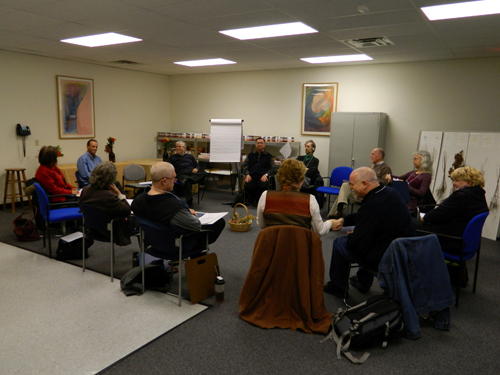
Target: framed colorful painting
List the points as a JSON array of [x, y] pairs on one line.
[[319, 100], [75, 101]]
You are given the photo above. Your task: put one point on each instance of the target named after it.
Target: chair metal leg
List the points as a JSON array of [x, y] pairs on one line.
[[83, 244], [141, 240], [476, 268], [44, 234], [112, 250], [457, 293], [50, 242], [180, 271], [346, 294]]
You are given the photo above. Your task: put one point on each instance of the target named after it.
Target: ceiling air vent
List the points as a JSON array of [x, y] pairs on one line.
[[369, 42], [125, 62]]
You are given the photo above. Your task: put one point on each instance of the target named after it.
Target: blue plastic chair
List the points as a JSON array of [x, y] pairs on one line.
[[98, 226], [56, 215], [471, 246], [339, 175], [165, 243]]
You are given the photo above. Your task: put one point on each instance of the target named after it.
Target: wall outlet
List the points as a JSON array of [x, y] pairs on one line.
[[36, 142]]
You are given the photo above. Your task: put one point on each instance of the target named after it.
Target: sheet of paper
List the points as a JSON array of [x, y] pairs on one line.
[[71, 237], [222, 172], [210, 217], [286, 150], [145, 183]]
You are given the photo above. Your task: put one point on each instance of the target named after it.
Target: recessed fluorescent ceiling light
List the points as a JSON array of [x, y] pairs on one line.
[[269, 31], [335, 59], [101, 40], [207, 62], [461, 10]]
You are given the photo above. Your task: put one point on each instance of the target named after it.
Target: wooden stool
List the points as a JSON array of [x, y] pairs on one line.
[[14, 175]]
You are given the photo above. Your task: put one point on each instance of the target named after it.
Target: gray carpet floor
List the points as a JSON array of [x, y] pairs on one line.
[[218, 341]]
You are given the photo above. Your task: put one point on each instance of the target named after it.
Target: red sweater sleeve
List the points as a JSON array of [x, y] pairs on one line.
[[52, 179]]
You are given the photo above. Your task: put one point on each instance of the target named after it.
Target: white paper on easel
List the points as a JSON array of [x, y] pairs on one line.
[[226, 140], [286, 150]]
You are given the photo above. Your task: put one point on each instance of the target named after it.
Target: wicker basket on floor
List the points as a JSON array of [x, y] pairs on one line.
[[240, 227]]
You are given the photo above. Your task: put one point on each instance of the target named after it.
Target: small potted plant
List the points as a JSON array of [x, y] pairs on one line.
[[109, 148], [59, 151], [166, 144]]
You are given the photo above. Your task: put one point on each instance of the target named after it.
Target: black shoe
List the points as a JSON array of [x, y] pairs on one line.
[[331, 289], [360, 287]]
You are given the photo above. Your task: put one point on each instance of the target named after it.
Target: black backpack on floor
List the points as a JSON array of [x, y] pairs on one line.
[[156, 277], [370, 322]]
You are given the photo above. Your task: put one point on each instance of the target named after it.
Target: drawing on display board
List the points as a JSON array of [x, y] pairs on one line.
[[494, 198], [431, 141], [442, 188], [453, 151]]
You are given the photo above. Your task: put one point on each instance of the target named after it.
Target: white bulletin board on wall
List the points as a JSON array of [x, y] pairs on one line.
[[483, 153], [480, 151], [453, 150]]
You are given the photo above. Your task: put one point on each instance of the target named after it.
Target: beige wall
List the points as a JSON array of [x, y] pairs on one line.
[[132, 106], [129, 106], [440, 95]]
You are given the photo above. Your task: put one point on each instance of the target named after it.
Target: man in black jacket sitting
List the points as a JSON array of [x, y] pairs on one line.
[[258, 166], [382, 218], [187, 169]]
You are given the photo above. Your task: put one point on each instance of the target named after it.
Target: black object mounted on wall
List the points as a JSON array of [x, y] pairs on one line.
[[23, 131]]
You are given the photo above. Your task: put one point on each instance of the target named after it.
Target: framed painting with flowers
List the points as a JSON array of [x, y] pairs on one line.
[[75, 101], [319, 100]]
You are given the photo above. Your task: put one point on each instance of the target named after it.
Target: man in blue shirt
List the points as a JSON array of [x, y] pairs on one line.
[[87, 162]]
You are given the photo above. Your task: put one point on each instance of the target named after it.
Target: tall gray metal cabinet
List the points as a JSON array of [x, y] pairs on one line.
[[353, 136]]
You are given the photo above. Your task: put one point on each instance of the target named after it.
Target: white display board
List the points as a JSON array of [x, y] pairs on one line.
[[226, 140], [483, 153], [453, 144]]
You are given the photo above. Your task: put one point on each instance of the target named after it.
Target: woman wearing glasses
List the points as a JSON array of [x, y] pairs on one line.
[[418, 179]]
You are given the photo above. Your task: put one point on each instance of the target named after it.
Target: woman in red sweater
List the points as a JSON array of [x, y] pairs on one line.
[[50, 176]]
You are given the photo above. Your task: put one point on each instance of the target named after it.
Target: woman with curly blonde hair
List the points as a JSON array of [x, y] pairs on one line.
[[454, 213], [288, 206]]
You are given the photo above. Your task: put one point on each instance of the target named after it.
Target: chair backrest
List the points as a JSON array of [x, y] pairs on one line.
[[43, 201], [268, 288], [134, 172], [339, 175], [95, 219], [402, 188], [159, 237], [79, 180], [472, 233]]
